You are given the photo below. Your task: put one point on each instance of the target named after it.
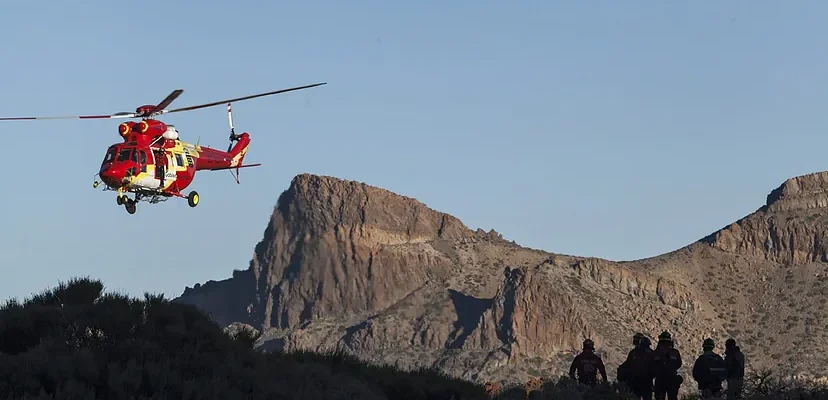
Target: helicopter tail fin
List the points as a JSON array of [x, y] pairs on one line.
[[238, 151], [237, 154]]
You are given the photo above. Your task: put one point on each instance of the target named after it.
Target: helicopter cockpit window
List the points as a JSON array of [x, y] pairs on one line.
[[110, 155], [124, 154]]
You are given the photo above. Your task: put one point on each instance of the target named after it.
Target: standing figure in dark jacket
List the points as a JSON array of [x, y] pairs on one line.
[[623, 373], [734, 369], [665, 361], [639, 377], [709, 371], [587, 364]]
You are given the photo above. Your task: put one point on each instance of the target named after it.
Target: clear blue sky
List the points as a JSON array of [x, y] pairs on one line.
[[617, 129]]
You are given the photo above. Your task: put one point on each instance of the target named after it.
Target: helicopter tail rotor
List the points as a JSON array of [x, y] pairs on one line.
[[233, 138]]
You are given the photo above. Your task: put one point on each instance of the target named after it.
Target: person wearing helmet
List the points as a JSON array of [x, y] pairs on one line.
[[637, 338], [734, 369], [664, 363], [587, 364], [624, 373], [639, 378], [709, 371]]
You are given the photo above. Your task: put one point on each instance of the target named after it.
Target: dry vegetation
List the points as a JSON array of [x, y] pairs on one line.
[[75, 341]]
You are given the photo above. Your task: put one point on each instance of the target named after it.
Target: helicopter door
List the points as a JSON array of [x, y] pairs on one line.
[[144, 157], [161, 164], [169, 171]]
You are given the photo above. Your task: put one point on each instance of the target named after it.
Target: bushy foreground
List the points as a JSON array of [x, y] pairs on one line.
[[76, 341]]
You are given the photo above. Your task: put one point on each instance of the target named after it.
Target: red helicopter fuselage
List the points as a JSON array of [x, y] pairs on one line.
[[151, 158]]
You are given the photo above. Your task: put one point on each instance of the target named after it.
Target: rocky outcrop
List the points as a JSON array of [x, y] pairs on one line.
[[227, 301], [343, 265], [423, 319], [634, 283], [531, 317], [779, 238], [804, 192], [791, 228], [335, 248]]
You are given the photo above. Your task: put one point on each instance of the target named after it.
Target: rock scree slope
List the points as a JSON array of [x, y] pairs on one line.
[[344, 265]]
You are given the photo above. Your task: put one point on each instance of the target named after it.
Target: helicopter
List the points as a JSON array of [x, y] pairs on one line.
[[154, 163]]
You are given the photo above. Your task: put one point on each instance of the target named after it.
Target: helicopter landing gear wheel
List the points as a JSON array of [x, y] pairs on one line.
[[192, 198], [130, 206], [121, 199]]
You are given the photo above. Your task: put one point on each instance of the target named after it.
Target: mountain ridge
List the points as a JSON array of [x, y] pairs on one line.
[[347, 266]]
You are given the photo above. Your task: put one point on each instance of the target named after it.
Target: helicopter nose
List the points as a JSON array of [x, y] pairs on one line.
[[112, 176]]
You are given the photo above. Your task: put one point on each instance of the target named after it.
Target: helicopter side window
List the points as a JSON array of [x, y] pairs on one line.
[[124, 154]]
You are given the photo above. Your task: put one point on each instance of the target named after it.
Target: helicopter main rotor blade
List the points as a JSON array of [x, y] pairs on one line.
[[160, 108], [116, 115], [167, 100], [242, 98]]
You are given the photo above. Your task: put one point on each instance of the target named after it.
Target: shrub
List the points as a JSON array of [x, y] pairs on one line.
[[74, 341]]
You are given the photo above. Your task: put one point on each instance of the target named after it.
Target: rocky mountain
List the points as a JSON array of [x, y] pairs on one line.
[[344, 265]]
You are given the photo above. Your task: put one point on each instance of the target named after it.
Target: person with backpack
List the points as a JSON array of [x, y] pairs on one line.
[[622, 374], [588, 365], [709, 371], [664, 364], [734, 369]]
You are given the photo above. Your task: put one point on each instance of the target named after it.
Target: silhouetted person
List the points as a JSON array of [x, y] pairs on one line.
[[734, 369], [587, 364], [665, 361], [622, 373], [637, 338], [639, 378], [709, 371]]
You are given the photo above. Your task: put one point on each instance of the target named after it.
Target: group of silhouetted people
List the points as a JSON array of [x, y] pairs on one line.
[[649, 371]]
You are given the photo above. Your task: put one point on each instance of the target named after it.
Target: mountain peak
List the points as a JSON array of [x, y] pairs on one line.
[[800, 193], [323, 202], [792, 227]]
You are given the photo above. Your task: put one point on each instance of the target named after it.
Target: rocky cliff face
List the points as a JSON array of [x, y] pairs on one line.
[[531, 316], [791, 228], [343, 265]]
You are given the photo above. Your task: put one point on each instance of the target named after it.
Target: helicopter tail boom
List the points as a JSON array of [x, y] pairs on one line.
[[213, 159]]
